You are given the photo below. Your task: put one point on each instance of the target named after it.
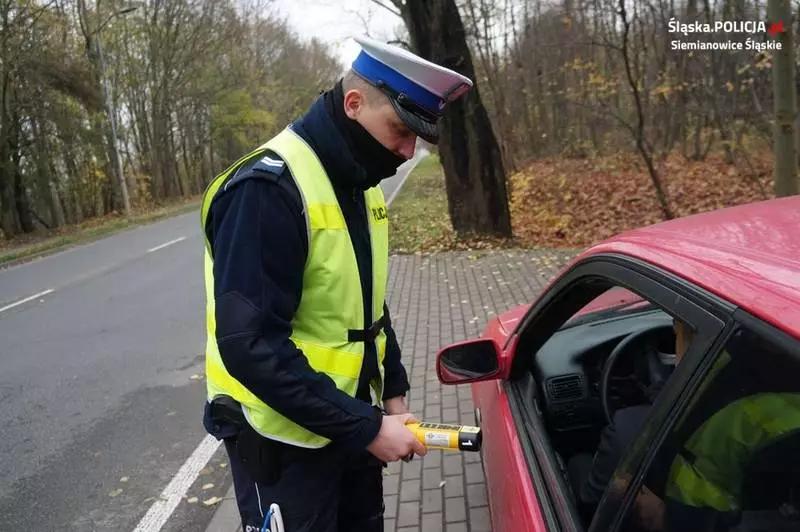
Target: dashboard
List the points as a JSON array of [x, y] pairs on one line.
[[569, 366]]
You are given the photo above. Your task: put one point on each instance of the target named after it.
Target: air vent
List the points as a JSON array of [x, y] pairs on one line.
[[567, 387]]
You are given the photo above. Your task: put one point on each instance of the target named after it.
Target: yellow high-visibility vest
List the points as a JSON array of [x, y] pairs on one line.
[[332, 301], [709, 473]]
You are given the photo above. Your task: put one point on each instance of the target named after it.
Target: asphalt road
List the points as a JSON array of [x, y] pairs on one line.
[[100, 400]]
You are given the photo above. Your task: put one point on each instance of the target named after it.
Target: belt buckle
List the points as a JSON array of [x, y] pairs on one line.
[[374, 330]]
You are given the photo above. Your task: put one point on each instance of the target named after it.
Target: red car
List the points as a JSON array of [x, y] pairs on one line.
[[548, 377]]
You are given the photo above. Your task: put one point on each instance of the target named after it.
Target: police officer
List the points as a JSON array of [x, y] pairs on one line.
[[304, 377]]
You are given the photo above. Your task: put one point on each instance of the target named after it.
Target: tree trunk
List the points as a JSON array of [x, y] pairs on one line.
[[473, 166], [783, 82], [56, 210], [21, 201], [7, 224]]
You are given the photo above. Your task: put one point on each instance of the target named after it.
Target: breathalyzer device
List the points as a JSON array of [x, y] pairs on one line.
[[447, 437]]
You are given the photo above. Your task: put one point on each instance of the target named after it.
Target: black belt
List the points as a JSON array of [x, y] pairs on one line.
[[369, 334]]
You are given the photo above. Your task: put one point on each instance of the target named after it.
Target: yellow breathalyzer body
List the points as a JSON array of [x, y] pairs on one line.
[[447, 437]]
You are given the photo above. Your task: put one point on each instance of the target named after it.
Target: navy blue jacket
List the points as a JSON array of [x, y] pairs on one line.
[[258, 236]]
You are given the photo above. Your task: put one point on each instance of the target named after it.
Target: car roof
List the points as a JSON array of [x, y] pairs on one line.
[[748, 255]]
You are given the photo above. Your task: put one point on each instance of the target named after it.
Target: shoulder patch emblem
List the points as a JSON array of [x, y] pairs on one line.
[[265, 164], [269, 164]]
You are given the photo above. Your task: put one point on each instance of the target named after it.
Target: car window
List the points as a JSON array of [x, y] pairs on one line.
[[557, 375], [731, 461], [614, 301], [619, 360]]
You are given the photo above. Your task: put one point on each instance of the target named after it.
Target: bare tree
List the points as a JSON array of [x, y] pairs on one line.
[[196, 82], [638, 131]]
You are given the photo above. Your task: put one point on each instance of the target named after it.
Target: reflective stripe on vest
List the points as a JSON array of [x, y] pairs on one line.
[[709, 473], [332, 301]]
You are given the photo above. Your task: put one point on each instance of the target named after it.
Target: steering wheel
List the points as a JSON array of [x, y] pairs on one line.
[[656, 372]]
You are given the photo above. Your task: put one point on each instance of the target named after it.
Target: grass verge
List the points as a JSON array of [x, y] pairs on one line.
[[418, 215], [419, 221], [30, 247]]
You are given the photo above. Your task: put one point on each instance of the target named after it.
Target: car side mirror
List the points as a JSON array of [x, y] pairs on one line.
[[469, 361]]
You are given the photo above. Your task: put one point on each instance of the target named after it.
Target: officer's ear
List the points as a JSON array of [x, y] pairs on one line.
[[354, 103]]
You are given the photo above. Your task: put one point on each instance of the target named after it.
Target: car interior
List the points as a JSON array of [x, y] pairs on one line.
[[618, 354], [625, 353]]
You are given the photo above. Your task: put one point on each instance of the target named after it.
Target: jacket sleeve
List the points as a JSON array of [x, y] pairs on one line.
[[259, 248], [395, 379], [614, 440]]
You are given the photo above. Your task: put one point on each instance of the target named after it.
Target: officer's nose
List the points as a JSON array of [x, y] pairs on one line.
[[407, 147]]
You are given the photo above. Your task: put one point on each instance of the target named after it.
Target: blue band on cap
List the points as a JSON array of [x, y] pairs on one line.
[[373, 71]]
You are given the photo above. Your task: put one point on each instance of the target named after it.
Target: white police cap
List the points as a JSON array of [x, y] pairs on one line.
[[418, 89]]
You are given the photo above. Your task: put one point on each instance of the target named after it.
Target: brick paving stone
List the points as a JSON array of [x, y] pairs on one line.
[[409, 490], [390, 501], [432, 522], [453, 464], [454, 486], [436, 300], [432, 459], [408, 514], [455, 509], [432, 411], [450, 415], [431, 478], [413, 469], [391, 484], [472, 457], [474, 473], [479, 520], [432, 501], [476, 495]]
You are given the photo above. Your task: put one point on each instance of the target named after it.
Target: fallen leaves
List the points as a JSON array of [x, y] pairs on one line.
[[571, 203], [604, 196]]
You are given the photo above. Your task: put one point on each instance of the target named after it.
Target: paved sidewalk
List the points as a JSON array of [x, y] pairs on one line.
[[436, 300]]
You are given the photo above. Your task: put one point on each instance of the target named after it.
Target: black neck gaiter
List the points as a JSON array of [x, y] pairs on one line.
[[378, 162]]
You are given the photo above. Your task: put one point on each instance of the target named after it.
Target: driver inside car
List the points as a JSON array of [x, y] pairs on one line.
[[589, 474]]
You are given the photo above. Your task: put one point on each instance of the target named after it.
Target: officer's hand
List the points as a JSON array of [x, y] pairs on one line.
[[395, 441]]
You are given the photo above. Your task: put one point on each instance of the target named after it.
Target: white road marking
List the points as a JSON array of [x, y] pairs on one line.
[[397, 189], [165, 244], [21, 301], [158, 514]]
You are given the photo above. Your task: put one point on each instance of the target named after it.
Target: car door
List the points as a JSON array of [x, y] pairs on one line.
[[514, 487], [526, 456]]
